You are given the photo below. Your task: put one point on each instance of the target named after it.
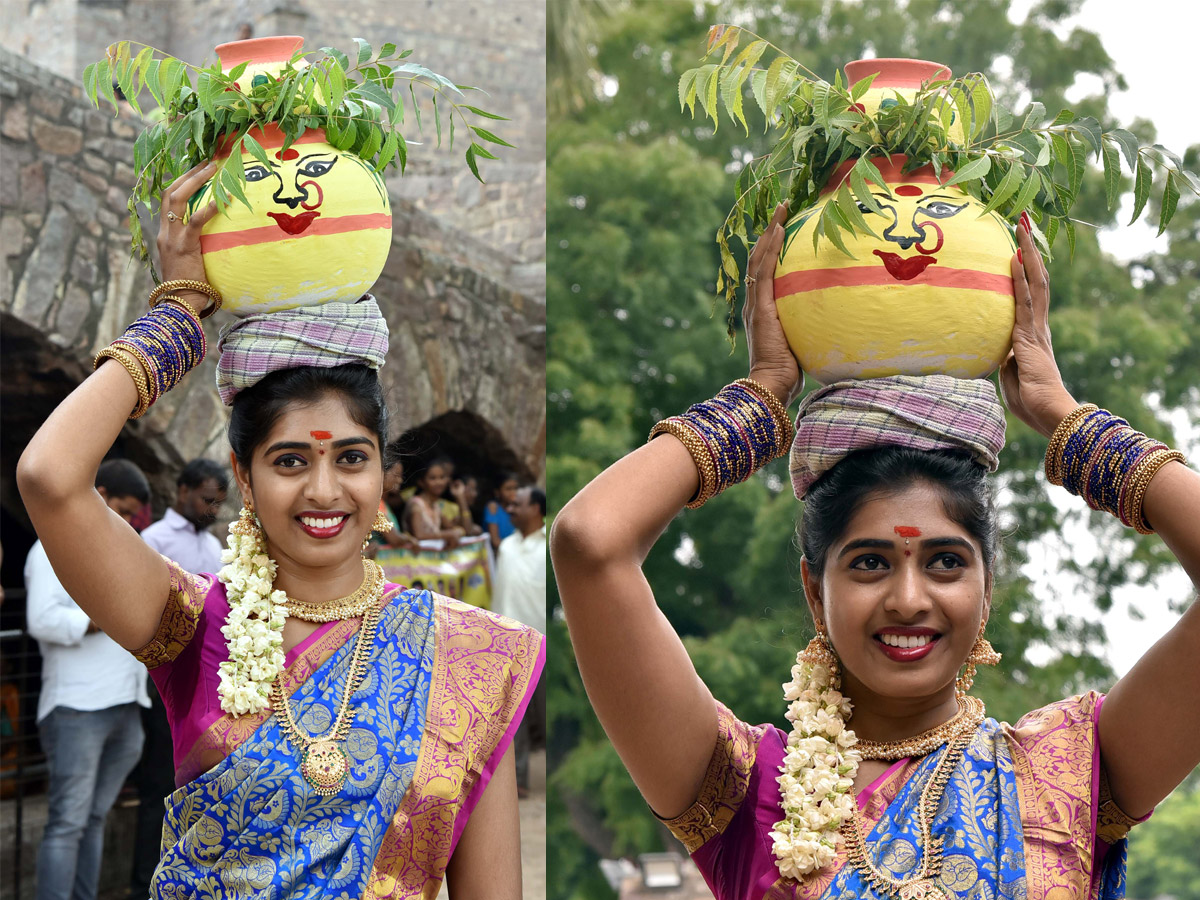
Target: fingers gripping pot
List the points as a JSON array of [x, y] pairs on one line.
[[319, 229], [931, 294]]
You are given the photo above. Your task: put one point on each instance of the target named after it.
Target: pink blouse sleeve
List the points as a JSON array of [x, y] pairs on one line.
[[177, 626]]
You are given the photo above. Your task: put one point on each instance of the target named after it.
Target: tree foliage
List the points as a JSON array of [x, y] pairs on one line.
[[635, 192]]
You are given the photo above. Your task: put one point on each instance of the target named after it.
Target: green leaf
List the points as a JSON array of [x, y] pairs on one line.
[[1064, 117], [981, 101], [1006, 188], [1078, 166], [153, 83], [1069, 228], [1112, 175], [104, 83], [1169, 202], [851, 213], [237, 71], [489, 137], [89, 82], [975, 169], [484, 113], [364, 50], [833, 223], [371, 147], [388, 151], [230, 182], [1141, 186], [731, 94], [779, 78], [1025, 196], [207, 89], [1089, 130], [337, 56], [255, 149], [387, 50], [437, 120], [1128, 144], [861, 86], [1033, 116], [471, 164]]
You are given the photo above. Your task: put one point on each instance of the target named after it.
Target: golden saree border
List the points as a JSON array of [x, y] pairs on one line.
[[724, 786], [177, 627], [1054, 755], [815, 886], [483, 669], [227, 733], [1112, 822]]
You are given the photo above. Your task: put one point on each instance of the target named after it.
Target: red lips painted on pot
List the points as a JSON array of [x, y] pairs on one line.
[[293, 224], [904, 269]]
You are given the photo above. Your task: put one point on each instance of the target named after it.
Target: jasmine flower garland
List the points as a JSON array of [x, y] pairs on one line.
[[816, 787], [254, 628]]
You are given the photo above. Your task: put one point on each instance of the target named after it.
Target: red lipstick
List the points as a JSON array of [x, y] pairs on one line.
[[898, 267], [293, 224], [325, 532], [907, 654]]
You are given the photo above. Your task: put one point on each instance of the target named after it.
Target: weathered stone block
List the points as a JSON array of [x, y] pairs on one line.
[[15, 126], [46, 268], [33, 186], [13, 237], [62, 140], [49, 105], [97, 163], [67, 189], [122, 128], [72, 314]]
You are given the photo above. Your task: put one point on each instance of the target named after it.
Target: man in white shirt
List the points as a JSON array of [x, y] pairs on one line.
[[520, 593], [87, 713], [182, 534]]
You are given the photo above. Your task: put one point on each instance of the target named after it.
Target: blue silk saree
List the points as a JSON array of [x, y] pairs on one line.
[[446, 687]]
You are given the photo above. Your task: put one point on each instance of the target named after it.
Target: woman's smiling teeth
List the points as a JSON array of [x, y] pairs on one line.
[[313, 522], [906, 641]]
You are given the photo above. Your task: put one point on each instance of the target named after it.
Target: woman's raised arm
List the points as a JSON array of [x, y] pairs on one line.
[[101, 561], [1150, 720], [659, 715]]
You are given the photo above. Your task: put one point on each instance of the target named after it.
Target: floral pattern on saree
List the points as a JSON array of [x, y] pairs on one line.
[[185, 602], [486, 666]]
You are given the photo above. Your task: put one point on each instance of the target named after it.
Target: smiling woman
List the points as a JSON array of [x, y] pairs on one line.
[[334, 734]]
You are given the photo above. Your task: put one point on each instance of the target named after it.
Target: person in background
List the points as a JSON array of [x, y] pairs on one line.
[[393, 477], [426, 519], [465, 491], [495, 516], [520, 593], [87, 712], [181, 535]]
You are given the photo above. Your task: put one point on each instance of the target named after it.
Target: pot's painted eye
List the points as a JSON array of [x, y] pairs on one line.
[[939, 209], [256, 173], [316, 168]]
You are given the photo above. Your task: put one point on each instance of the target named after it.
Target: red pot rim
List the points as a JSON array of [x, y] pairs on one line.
[[891, 169], [259, 51], [271, 138], [896, 72]]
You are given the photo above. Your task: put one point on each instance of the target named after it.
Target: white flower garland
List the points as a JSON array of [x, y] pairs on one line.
[[817, 783], [254, 629]]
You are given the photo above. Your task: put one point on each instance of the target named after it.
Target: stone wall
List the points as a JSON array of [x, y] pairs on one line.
[[499, 45], [465, 337]]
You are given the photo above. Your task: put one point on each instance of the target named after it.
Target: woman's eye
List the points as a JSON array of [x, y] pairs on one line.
[[354, 456], [871, 563], [256, 173], [289, 462], [946, 561]]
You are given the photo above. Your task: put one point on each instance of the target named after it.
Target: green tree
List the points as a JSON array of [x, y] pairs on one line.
[[636, 191]]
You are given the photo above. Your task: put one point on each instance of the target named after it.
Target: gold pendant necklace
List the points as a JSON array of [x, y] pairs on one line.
[[925, 742], [349, 607], [323, 761], [919, 886]]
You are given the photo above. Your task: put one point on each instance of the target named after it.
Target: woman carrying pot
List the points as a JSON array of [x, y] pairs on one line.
[[334, 735], [893, 782]]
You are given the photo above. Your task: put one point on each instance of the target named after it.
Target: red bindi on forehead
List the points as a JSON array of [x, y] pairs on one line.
[[909, 190], [907, 531], [288, 154], [321, 435]]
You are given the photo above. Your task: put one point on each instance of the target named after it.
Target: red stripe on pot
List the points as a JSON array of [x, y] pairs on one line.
[[258, 51], [861, 276], [214, 243], [271, 138]]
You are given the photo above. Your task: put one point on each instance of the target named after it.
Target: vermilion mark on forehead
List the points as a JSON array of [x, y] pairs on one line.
[[907, 531], [909, 190], [321, 435], [289, 153]]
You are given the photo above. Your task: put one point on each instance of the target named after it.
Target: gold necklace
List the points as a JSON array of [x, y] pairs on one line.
[[323, 762], [348, 607], [919, 886], [925, 742]]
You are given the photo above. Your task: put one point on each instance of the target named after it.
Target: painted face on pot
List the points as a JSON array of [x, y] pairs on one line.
[[315, 507], [932, 293], [903, 594], [319, 228]]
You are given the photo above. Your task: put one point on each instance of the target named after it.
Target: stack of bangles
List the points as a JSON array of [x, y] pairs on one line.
[[163, 345], [1098, 456], [731, 436]]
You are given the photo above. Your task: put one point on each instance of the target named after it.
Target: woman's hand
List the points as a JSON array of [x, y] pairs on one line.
[[179, 236], [772, 363], [1029, 378]]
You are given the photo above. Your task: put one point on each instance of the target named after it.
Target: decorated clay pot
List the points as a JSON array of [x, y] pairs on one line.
[[321, 224], [933, 294]]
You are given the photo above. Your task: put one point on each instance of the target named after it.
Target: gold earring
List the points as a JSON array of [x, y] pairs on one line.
[[820, 652], [982, 654], [382, 523], [247, 523]]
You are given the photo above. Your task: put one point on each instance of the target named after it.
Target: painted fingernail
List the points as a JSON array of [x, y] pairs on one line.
[[1025, 221], [1019, 259]]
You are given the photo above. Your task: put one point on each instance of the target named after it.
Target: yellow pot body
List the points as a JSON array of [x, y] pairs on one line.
[[932, 294], [320, 225]]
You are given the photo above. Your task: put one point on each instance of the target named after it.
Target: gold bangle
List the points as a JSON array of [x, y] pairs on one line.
[[1141, 483], [1058, 441], [700, 456], [188, 284], [778, 412], [148, 366], [133, 368]]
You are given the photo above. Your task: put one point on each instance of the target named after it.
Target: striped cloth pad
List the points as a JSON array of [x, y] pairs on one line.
[[925, 412], [333, 334]]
